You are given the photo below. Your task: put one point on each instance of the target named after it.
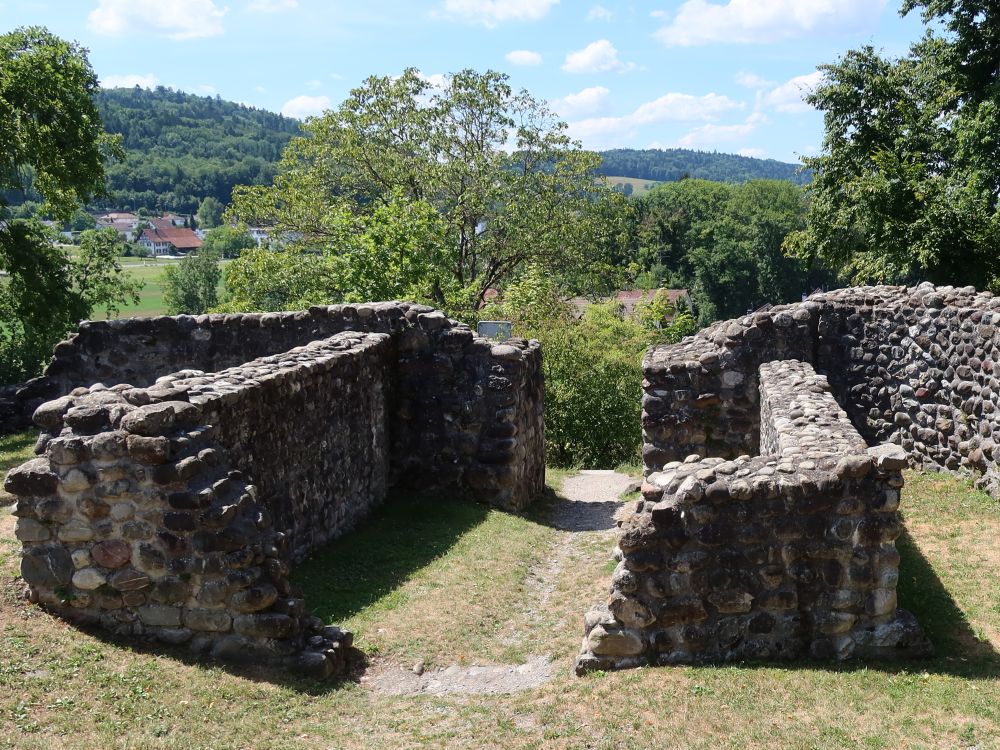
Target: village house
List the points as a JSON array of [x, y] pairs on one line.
[[165, 237]]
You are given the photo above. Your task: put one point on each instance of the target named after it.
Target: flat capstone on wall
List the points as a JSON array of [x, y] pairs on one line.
[[173, 506]]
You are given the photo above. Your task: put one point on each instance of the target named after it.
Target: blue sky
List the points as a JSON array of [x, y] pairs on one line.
[[722, 75]]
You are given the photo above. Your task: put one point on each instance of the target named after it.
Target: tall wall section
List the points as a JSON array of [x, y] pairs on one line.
[[915, 366], [785, 555]]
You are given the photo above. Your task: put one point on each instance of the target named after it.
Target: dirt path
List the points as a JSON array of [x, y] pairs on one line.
[[587, 505]]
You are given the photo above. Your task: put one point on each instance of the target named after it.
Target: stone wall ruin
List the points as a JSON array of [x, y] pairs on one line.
[[766, 526], [172, 506]]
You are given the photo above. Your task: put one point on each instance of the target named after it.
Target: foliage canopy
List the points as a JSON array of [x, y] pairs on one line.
[[908, 181], [50, 135], [471, 180]]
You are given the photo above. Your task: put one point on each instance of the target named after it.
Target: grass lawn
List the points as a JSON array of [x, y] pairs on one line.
[[151, 303], [448, 582]]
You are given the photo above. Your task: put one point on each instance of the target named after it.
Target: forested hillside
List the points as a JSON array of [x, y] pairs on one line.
[[669, 165], [182, 147]]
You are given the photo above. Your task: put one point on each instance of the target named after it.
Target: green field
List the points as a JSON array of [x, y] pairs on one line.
[[148, 271], [639, 187]]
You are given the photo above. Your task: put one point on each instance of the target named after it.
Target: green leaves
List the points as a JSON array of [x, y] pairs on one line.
[[437, 192], [50, 130], [907, 186], [189, 287]]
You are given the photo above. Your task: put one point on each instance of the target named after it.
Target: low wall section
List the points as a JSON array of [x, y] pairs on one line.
[[780, 556]]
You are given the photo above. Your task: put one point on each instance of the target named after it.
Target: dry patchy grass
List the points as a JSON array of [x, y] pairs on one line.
[[459, 589]]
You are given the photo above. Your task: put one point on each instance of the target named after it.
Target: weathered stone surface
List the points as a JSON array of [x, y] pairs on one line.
[[112, 553], [32, 478], [142, 482], [47, 567]]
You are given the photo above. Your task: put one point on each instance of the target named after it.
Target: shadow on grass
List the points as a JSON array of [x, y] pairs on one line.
[[342, 578], [403, 535], [957, 650]]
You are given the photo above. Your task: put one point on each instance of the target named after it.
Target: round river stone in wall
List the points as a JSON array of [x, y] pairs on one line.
[[111, 554]]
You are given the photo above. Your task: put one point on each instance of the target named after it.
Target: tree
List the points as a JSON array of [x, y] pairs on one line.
[[50, 132], [908, 181], [190, 287], [47, 292], [724, 243], [504, 183], [227, 242], [210, 213]]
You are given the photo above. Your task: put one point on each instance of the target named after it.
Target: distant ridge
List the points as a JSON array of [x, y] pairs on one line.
[[183, 147], [672, 164]]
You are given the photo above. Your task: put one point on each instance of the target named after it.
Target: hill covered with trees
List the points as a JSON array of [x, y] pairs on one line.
[[182, 148], [672, 164]]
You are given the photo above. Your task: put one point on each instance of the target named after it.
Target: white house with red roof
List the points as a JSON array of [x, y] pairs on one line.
[[164, 237]]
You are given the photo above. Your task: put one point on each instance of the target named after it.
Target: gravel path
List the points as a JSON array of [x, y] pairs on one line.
[[587, 503]]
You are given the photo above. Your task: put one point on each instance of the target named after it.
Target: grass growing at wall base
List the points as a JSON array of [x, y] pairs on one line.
[[472, 585]]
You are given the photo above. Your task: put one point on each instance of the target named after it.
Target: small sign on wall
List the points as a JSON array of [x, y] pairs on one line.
[[498, 330]]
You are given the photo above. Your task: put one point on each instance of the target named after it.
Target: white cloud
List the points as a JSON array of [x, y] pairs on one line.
[[302, 107], [492, 12], [788, 97], [599, 13], [130, 80], [711, 135], [754, 153], [523, 57], [314, 84], [752, 80], [177, 19], [597, 57], [582, 102], [272, 6], [669, 107], [763, 21], [205, 88]]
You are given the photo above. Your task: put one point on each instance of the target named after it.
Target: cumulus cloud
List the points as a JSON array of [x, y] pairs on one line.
[[599, 13], [304, 106], [597, 57], [272, 6], [762, 21], [492, 12], [130, 80], [672, 107], [752, 80], [789, 96], [523, 57], [582, 102], [712, 134], [176, 19]]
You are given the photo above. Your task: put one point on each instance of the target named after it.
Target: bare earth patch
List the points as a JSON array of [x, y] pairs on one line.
[[392, 679]]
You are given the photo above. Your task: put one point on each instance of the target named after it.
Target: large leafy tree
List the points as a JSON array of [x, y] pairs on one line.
[[723, 243], [492, 182], [50, 134], [908, 181]]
